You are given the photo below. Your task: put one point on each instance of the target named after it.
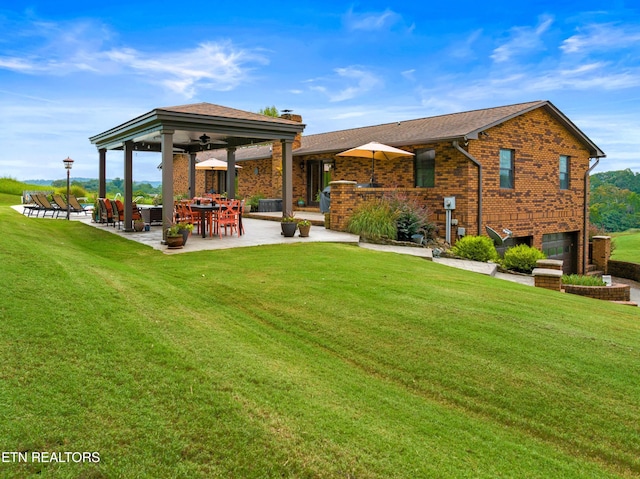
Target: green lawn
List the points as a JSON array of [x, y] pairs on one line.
[[301, 361], [627, 246]]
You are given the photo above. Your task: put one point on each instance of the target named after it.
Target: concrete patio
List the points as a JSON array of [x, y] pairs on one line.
[[258, 232]]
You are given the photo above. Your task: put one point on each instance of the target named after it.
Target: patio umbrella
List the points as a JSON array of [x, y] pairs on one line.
[[375, 151], [213, 164]]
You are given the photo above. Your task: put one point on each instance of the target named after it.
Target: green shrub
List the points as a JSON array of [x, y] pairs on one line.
[[374, 219], [254, 201], [476, 248], [408, 223], [580, 280], [522, 258], [411, 218]]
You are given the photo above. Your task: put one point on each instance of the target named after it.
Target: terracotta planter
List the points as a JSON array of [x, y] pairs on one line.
[[138, 226], [304, 230], [175, 241]]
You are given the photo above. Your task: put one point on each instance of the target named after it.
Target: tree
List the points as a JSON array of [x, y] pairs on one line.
[[614, 209], [270, 111]]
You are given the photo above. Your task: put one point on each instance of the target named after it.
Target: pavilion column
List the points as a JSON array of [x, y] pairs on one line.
[[128, 185], [231, 173], [166, 148], [192, 175], [287, 177], [102, 173]]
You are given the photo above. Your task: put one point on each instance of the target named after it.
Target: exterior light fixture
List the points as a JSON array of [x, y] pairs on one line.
[[68, 164]]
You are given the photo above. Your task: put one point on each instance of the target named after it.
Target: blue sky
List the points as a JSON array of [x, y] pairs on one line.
[[70, 69]]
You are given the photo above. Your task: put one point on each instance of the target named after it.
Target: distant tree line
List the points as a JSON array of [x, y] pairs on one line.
[[112, 186], [614, 203]]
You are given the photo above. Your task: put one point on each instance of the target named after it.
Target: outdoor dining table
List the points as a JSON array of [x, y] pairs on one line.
[[203, 208]]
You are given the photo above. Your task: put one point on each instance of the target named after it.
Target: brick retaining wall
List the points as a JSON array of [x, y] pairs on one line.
[[615, 292], [622, 269]]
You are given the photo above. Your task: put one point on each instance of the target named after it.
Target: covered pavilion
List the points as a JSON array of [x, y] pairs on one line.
[[190, 129]]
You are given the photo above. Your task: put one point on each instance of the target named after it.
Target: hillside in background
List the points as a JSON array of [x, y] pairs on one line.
[[614, 203], [155, 184]]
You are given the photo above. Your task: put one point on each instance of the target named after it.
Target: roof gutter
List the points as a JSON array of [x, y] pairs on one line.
[[585, 251], [477, 163]]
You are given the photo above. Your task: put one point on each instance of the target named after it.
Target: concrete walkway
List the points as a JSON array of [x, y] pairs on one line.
[[488, 269]]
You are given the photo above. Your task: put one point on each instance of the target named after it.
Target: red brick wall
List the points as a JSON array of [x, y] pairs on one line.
[[268, 180], [535, 206], [615, 292], [252, 182], [181, 177]]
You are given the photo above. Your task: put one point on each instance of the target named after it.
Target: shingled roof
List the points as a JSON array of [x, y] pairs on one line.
[[212, 110], [455, 126]]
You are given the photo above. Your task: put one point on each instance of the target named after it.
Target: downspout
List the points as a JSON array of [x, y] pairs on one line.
[[477, 163], [585, 240]]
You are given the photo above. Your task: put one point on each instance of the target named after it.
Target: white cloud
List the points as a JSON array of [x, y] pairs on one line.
[[370, 21], [358, 80], [409, 74], [465, 48], [214, 66], [601, 37], [64, 49], [522, 40]]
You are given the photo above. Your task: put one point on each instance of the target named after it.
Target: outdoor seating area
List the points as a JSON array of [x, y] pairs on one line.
[[39, 202], [261, 229], [112, 212], [211, 214]]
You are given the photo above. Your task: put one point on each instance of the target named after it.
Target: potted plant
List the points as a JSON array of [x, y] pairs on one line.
[[304, 226], [254, 201], [289, 225], [185, 230], [174, 237], [301, 202], [138, 224]]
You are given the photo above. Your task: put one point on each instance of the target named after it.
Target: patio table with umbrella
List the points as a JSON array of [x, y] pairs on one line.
[[375, 151], [213, 164]]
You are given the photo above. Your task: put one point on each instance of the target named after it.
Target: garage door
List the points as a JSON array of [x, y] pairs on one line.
[[563, 246]]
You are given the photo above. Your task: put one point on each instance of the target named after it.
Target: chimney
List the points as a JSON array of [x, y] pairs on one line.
[[288, 115]]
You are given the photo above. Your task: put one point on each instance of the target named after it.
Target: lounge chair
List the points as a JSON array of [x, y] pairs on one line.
[[29, 206], [62, 205], [76, 207], [44, 204]]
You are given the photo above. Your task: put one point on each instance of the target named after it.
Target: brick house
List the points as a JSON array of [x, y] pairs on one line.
[[523, 167]]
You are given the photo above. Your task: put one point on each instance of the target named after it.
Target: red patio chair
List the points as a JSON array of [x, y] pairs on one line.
[[227, 217]]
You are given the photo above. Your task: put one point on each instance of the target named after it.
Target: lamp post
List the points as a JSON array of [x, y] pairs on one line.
[[68, 163]]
